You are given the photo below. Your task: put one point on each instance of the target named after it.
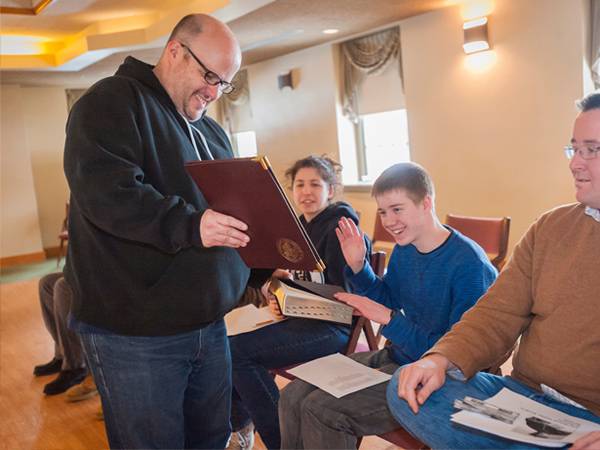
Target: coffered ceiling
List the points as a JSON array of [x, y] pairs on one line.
[[76, 42]]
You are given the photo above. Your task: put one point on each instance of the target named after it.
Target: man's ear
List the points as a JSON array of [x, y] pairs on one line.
[[331, 192], [427, 203], [173, 47]]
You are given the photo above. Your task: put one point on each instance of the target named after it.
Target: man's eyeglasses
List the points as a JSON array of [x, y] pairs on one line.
[[589, 151], [209, 76]]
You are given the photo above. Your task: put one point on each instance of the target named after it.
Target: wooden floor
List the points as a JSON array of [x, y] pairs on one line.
[[28, 418]]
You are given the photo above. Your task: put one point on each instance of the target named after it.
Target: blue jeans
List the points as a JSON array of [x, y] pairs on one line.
[[164, 392], [432, 424], [293, 341]]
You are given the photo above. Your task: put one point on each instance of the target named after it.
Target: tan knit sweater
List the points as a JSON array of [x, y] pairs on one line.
[[549, 293]]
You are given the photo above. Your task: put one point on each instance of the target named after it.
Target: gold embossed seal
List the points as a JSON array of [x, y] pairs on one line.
[[290, 250]]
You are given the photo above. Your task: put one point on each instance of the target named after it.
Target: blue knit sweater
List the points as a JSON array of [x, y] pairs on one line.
[[432, 290]]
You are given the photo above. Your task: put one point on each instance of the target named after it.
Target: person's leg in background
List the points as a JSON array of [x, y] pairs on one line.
[[241, 424], [46, 296], [322, 421], [290, 410], [432, 424], [73, 370], [283, 344]]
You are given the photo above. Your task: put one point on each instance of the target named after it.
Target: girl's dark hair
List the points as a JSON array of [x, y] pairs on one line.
[[329, 170]]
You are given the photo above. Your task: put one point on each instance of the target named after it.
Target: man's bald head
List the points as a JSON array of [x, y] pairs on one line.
[[193, 24], [198, 44]]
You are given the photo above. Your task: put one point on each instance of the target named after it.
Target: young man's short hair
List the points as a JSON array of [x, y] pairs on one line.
[[408, 176]]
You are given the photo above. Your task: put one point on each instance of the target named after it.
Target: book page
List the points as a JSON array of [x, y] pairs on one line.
[[338, 375], [317, 308], [249, 318], [296, 302], [516, 417]]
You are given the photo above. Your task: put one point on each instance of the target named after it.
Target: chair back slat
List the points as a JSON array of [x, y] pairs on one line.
[[377, 262], [380, 233], [491, 233]]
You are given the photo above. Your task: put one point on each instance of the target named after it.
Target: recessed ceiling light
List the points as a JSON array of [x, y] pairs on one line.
[[330, 31]]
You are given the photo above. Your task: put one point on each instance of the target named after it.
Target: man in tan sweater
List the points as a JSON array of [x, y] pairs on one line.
[[549, 296]]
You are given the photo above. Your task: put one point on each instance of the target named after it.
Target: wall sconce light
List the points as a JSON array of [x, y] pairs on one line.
[[476, 35], [289, 79]]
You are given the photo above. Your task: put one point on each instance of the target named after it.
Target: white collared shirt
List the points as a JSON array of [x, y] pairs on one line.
[[593, 212]]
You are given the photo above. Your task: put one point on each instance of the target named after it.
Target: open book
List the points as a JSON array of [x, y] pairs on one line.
[[311, 301]]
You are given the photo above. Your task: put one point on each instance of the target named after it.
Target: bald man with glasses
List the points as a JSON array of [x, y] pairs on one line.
[[153, 269]]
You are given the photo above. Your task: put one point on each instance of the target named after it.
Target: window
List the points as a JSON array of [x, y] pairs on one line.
[[244, 144], [381, 140], [373, 128], [384, 142]]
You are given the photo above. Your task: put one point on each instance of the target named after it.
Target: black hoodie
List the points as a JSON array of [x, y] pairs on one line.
[[321, 230], [135, 259]]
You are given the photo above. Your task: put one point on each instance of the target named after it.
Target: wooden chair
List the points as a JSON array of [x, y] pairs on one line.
[[362, 325], [401, 438], [489, 232], [382, 240], [377, 262], [63, 236], [380, 233]]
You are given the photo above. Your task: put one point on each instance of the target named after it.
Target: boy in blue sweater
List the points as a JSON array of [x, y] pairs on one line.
[[434, 275]]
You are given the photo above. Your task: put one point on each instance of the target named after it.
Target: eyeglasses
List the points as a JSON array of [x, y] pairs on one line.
[[587, 152], [209, 76]]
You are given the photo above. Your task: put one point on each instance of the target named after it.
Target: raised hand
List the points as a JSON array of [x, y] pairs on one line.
[[366, 307], [218, 229], [418, 380], [352, 243]]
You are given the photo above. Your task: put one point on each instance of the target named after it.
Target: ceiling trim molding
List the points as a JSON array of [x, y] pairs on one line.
[[26, 11], [105, 37]]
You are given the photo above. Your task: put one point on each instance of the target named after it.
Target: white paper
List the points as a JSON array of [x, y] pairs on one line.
[[535, 423], [249, 318], [338, 375]]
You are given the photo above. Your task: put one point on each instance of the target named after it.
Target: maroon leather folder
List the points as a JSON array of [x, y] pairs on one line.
[[247, 189]]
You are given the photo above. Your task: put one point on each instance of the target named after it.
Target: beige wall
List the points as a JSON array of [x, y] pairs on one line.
[[492, 139], [291, 124], [45, 116], [33, 124], [20, 230]]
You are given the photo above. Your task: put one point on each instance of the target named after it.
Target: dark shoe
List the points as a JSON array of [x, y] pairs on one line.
[[48, 368], [65, 379]]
